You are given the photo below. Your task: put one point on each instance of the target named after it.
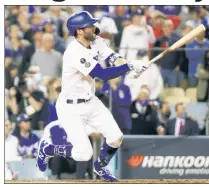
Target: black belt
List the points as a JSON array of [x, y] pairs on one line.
[[69, 101]]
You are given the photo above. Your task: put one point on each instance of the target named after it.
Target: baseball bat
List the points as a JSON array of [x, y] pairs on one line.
[[184, 40]]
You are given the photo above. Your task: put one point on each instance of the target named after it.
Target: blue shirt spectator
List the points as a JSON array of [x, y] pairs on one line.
[[59, 43], [28, 141], [171, 62], [195, 53], [121, 102]]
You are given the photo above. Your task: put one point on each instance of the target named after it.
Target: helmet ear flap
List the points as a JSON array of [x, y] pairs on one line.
[[97, 31]]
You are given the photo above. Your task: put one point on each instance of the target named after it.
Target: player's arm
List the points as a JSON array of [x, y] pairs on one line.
[[108, 55], [90, 66], [109, 73], [119, 61]]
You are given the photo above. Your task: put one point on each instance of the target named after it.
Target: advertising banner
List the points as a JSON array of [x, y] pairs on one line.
[[158, 157]]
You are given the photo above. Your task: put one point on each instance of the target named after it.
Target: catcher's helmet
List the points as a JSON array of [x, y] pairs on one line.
[[81, 20]]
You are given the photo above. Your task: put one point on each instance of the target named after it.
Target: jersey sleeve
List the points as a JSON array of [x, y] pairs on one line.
[[83, 62], [105, 52]]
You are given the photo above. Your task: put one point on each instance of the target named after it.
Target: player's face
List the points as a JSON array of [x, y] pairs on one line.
[[89, 33]]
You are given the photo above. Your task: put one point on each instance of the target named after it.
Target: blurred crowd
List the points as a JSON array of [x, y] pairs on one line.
[[36, 37]]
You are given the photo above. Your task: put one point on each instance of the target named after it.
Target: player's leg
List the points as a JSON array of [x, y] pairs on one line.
[[79, 147], [72, 119], [103, 120]]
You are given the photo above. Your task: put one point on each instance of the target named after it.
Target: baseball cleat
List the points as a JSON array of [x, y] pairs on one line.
[[104, 173], [43, 158]]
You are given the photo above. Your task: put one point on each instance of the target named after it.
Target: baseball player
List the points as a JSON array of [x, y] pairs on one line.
[[77, 106]]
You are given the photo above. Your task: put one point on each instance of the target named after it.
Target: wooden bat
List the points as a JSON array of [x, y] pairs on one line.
[[184, 40]]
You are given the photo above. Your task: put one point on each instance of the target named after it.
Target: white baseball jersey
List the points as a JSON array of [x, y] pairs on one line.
[[135, 38], [77, 118], [78, 62]]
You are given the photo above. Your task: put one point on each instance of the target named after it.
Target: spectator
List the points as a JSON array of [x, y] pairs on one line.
[[23, 21], [156, 19], [137, 36], [195, 17], [150, 77], [203, 79], [125, 21], [12, 106], [164, 113], [133, 8], [28, 141], [32, 102], [36, 22], [119, 18], [182, 124], [11, 76], [48, 57], [30, 50], [57, 16], [12, 14], [91, 8], [204, 14], [168, 10], [169, 64], [187, 27], [59, 43], [106, 25], [14, 45], [121, 102], [195, 51], [144, 117], [36, 80], [11, 144], [172, 12]]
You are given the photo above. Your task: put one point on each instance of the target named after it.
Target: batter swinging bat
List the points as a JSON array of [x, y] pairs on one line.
[[184, 40]]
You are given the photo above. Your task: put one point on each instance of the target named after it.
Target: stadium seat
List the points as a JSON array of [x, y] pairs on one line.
[[192, 93], [27, 170], [177, 99], [177, 92]]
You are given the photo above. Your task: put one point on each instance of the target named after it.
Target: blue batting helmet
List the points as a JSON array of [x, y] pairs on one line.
[[81, 20]]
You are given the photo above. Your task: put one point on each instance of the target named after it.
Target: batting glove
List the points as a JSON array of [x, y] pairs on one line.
[[136, 72]]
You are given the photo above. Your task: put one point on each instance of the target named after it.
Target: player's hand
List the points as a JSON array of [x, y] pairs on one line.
[[136, 72], [133, 74]]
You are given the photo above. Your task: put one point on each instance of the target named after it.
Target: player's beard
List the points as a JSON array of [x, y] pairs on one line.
[[89, 36]]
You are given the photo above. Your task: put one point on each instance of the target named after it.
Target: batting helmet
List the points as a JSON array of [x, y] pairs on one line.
[[81, 20]]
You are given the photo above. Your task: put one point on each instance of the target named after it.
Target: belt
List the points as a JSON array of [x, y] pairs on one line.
[[77, 101]]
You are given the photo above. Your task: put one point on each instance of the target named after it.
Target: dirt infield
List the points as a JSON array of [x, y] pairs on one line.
[[142, 181]]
